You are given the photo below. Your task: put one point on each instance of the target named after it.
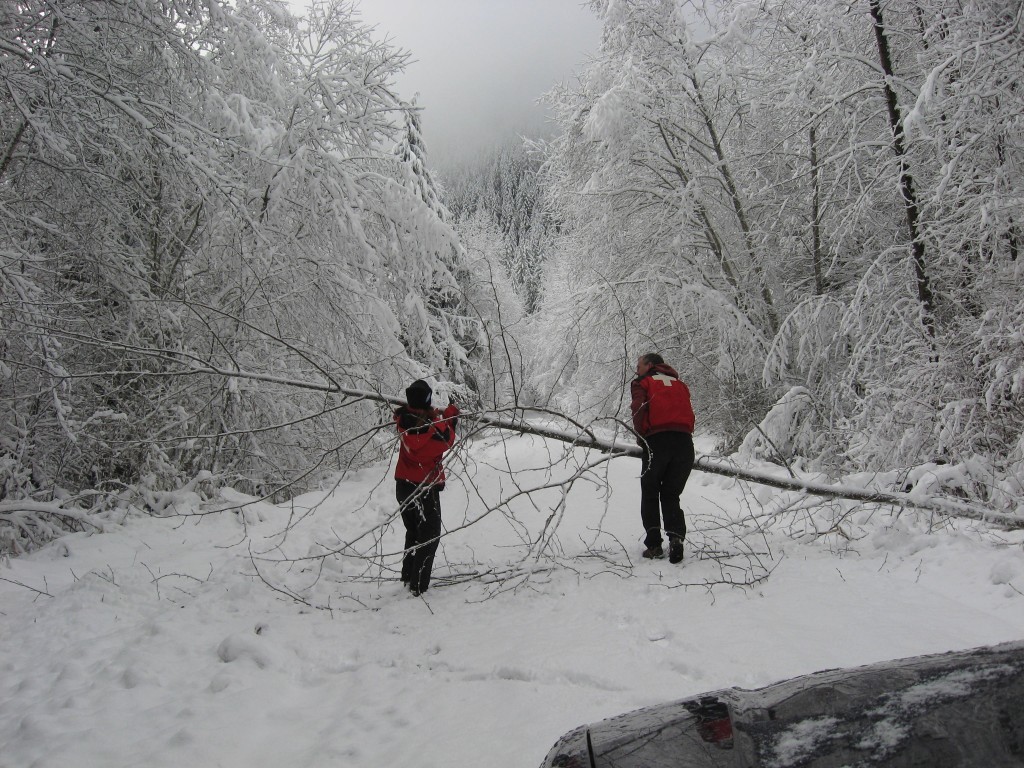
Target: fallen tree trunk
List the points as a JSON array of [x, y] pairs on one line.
[[582, 437], [586, 439]]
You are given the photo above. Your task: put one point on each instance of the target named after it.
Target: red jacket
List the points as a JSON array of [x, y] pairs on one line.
[[424, 435], [660, 402]]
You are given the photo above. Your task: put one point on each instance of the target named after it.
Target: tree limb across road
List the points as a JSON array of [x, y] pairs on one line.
[[580, 436], [950, 507]]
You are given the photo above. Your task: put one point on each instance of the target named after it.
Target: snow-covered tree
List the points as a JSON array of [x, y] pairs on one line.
[[505, 186], [204, 235], [654, 177], [800, 194]]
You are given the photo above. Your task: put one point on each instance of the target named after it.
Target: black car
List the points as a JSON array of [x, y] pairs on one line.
[[953, 709]]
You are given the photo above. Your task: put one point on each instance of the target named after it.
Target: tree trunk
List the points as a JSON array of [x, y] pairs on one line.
[[582, 437], [910, 204], [816, 261]]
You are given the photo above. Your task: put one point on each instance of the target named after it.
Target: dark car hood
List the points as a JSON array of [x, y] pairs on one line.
[[955, 709]]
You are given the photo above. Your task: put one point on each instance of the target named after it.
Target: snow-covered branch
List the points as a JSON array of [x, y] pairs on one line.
[[581, 437]]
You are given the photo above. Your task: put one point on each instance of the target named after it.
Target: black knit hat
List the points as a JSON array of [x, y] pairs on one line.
[[418, 394]]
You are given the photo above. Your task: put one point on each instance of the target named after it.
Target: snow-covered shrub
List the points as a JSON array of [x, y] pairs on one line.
[[785, 429]]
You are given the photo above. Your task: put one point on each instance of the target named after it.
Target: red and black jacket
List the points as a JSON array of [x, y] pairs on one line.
[[424, 435], [660, 402]]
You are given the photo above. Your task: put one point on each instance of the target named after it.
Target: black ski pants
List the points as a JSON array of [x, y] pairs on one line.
[[667, 461], [421, 513]]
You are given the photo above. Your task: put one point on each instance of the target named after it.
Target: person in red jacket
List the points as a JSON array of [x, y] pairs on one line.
[[663, 421], [424, 435]]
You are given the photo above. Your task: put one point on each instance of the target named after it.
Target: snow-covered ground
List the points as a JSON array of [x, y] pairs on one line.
[[175, 641]]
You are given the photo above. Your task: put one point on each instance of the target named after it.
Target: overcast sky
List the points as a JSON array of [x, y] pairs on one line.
[[480, 65]]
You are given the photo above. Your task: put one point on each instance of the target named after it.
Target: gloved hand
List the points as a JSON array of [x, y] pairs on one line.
[[451, 413]]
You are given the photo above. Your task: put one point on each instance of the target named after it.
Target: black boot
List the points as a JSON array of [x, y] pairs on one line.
[[675, 550]]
